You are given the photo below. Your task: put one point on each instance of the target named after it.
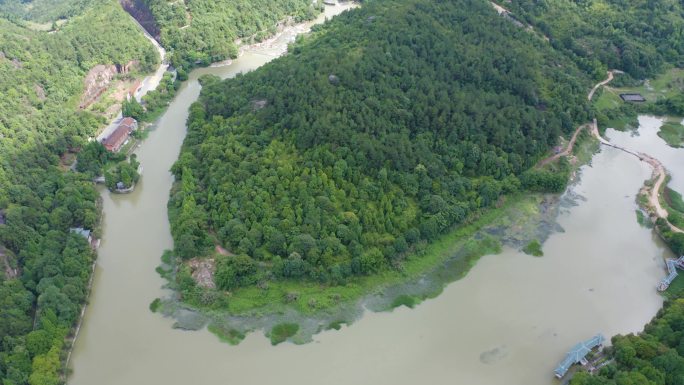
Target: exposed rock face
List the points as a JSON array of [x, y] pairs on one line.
[[126, 68], [259, 104], [96, 82], [141, 12], [202, 271], [16, 63], [40, 92], [100, 77], [9, 269]]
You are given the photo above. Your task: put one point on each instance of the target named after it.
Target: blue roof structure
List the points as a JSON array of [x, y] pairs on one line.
[[80, 231], [578, 353], [672, 265]]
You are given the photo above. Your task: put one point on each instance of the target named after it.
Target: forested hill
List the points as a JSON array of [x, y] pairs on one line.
[[44, 268], [385, 128], [636, 36], [43, 11], [205, 31]]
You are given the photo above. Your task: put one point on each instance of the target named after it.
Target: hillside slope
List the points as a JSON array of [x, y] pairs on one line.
[[45, 268], [205, 31], [387, 127], [638, 36]]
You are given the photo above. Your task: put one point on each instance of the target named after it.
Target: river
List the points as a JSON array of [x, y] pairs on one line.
[[646, 140], [509, 321]]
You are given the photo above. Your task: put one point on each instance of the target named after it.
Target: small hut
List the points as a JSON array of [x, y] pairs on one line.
[[633, 98]]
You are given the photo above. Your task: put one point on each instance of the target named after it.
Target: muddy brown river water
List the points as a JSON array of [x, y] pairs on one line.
[[509, 321]]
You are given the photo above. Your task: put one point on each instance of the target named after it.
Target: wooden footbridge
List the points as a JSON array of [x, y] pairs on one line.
[[578, 354], [672, 265]]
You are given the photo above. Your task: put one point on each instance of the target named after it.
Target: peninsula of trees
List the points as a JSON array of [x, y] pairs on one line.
[[387, 127], [384, 129], [48, 204]]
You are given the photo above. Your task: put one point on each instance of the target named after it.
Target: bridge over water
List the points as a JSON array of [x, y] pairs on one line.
[[672, 265], [578, 354]]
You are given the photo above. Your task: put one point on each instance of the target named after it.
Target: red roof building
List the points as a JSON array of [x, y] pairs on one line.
[[120, 136]]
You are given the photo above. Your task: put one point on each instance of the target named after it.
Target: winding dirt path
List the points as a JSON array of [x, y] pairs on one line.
[[567, 150], [659, 172], [592, 127], [602, 83]]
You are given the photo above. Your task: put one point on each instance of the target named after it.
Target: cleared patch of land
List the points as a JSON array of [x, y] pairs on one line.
[[669, 84]]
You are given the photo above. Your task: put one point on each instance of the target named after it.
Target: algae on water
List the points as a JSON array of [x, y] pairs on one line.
[[533, 248]]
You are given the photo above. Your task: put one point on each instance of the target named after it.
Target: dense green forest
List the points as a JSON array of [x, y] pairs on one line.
[[378, 133], [205, 31], [44, 267], [124, 172], [636, 36], [641, 38], [154, 102], [382, 130], [43, 11], [655, 356]]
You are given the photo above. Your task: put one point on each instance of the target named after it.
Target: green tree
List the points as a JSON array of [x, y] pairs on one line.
[[132, 108]]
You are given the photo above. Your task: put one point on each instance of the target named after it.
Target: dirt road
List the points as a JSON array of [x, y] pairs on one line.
[[659, 176], [602, 83], [659, 172], [566, 151]]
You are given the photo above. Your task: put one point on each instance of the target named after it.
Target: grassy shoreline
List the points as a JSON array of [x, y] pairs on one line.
[[312, 297], [667, 85], [317, 307], [515, 222]]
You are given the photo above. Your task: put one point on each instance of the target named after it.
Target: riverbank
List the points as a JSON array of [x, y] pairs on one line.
[[282, 295], [148, 83], [169, 129], [515, 222], [659, 201], [654, 187], [299, 302], [510, 313], [518, 220], [471, 305]]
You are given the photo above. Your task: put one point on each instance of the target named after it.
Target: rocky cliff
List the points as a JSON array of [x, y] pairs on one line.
[[141, 12], [99, 79]]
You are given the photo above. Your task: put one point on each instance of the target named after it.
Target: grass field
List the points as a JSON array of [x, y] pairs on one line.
[[668, 84], [607, 100]]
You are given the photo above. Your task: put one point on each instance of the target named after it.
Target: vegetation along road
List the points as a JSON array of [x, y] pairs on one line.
[[659, 172]]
